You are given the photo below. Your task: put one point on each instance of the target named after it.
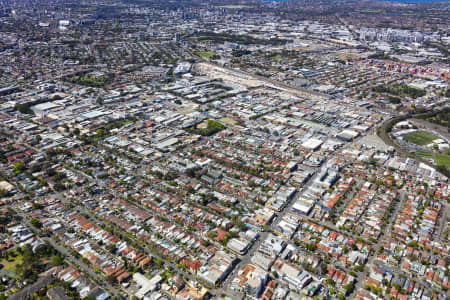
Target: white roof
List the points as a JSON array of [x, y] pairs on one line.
[[312, 143], [147, 285], [93, 114], [302, 206], [6, 186], [46, 106], [349, 132], [237, 244]]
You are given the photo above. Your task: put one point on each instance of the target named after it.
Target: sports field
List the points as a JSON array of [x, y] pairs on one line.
[[420, 138], [205, 54]]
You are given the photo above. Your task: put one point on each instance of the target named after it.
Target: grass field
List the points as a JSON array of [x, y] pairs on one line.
[[205, 54], [228, 121], [440, 159], [420, 138], [9, 267]]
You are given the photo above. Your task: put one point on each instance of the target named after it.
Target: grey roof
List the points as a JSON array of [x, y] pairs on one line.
[[57, 293]]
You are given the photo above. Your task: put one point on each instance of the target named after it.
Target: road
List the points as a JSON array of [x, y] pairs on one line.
[[141, 243], [443, 222], [386, 232], [245, 259], [360, 276], [70, 257], [419, 281], [82, 265]]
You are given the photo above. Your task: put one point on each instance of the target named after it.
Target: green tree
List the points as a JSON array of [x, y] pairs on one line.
[[36, 223], [212, 234], [330, 282], [18, 167], [57, 260]]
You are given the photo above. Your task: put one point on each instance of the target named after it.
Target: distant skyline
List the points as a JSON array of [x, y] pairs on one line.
[[406, 1], [415, 1]]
